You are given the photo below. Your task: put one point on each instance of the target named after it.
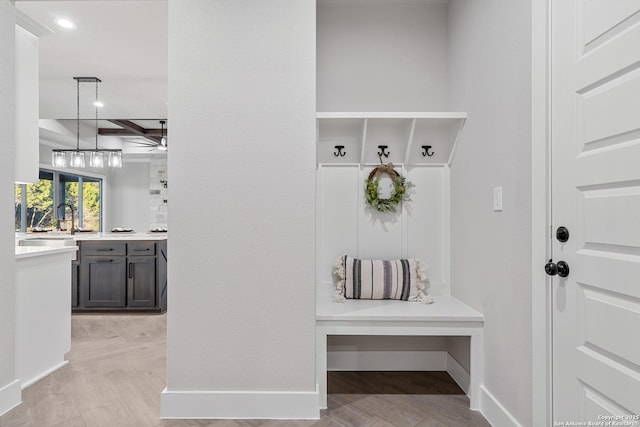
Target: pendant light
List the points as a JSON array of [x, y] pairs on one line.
[[96, 155], [115, 158], [59, 159]]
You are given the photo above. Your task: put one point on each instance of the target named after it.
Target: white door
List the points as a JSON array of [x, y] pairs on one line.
[[595, 134]]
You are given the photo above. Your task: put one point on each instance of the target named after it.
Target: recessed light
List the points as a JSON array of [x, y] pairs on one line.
[[98, 104], [65, 23]]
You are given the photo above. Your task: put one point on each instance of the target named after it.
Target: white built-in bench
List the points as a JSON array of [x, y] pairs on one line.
[[447, 316]]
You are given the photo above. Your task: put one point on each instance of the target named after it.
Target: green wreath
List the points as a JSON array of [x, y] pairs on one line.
[[400, 189]]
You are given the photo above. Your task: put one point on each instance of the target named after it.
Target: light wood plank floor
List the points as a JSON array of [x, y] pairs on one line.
[[117, 370]]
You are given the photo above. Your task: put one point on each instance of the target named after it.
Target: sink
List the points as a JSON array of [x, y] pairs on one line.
[[53, 241]]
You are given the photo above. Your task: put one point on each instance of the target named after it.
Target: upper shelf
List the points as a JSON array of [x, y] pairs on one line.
[[423, 138]]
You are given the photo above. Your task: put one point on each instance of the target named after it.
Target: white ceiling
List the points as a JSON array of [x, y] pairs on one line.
[[124, 43]]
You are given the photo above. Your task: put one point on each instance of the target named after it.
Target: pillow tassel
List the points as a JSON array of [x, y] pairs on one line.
[[422, 297], [339, 272]]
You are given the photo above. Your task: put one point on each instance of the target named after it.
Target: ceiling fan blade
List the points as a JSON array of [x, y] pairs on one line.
[[144, 144]]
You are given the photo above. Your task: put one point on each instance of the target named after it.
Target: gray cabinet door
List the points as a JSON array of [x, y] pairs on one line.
[[162, 275], [75, 268], [103, 281], [141, 278]]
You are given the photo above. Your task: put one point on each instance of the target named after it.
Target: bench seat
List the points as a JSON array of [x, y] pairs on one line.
[[447, 316]]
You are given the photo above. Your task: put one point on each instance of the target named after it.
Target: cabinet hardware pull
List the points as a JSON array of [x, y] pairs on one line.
[[104, 250], [130, 270], [142, 250], [105, 260]]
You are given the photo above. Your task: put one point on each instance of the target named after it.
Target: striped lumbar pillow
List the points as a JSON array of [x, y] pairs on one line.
[[397, 279]]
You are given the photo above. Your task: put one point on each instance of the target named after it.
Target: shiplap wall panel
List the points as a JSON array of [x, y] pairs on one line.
[[338, 215], [425, 229], [379, 233], [347, 225]]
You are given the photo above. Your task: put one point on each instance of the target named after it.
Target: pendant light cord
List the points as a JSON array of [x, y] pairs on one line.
[[96, 104], [78, 115]]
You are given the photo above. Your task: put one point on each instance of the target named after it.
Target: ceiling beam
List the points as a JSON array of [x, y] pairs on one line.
[[127, 132], [134, 130]]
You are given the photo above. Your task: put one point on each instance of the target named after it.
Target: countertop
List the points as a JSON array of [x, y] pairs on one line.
[[94, 236], [36, 251]]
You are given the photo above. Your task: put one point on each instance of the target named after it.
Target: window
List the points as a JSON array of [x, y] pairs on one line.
[[82, 192]]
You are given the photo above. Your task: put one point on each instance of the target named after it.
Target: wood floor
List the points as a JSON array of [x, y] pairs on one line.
[[117, 370]]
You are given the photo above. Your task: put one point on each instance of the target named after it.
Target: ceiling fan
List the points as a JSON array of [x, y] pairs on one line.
[[156, 144]]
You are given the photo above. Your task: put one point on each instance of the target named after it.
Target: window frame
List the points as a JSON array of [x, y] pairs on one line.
[[57, 196]]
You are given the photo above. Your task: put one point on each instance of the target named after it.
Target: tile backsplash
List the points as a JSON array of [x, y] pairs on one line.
[[158, 193]]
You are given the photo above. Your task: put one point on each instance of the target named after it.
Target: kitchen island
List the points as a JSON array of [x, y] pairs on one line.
[[121, 272], [43, 310], [117, 271]]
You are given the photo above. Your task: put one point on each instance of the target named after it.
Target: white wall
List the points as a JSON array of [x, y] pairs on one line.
[[128, 197], [382, 57], [27, 98], [241, 316], [491, 251], [9, 388]]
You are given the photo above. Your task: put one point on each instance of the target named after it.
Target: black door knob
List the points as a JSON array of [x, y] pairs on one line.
[[561, 268], [562, 234]]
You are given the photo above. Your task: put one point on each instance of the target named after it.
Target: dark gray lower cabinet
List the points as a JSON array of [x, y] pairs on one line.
[[162, 275], [102, 281], [75, 270], [116, 275], [141, 283]]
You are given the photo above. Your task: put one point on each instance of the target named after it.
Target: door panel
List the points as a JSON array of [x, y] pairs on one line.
[[610, 109], [604, 19], [611, 215], [103, 282], [596, 194], [596, 304], [595, 404], [141, 286]]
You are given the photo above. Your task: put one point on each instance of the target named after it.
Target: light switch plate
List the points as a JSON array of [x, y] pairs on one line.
[[497, 199]]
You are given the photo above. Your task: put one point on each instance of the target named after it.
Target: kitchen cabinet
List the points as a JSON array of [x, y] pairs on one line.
[[162, 275], [102, 281], [121, 275], [75, 270], [141, 283]]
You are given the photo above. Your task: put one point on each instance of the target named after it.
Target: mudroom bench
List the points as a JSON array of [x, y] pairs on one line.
[[447, 316]]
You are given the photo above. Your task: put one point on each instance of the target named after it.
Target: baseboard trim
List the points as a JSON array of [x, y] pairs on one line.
[[459, 374], [387, 360], [279, 405], [10, 396], [40, 376], [494, 411]]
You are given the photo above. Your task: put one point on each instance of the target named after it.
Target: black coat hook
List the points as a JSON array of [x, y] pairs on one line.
[[426, 151], [339, 152], [382, 151]]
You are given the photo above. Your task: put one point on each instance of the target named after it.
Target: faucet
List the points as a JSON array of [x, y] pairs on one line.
[[73, 224]]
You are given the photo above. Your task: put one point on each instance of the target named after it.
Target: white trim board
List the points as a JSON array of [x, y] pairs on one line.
[[41, 375], [494, 411], [280, 405], [540, 224], [10, 396], [353, 360]]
